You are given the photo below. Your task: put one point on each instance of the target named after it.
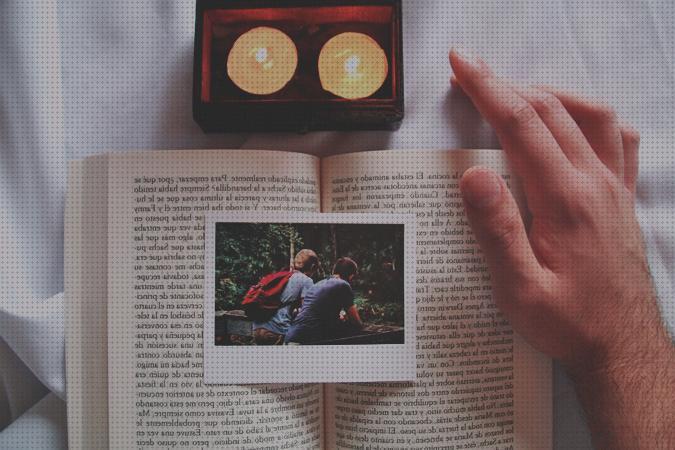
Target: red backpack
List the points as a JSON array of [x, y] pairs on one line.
[[264, 299]]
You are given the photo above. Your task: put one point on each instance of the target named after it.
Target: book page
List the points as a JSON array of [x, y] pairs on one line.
[[157, 205], [85, 303], [478, 385]]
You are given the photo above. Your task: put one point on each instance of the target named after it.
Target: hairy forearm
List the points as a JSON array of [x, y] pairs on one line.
[[630, 403]]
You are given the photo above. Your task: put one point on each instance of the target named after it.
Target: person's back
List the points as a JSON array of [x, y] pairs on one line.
[[272, 331], [319, 316], [279, 323]]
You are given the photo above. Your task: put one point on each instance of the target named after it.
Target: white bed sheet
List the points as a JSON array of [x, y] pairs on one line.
[[83, 77]]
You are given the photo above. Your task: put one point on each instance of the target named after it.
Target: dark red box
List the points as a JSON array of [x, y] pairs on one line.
[[302, 104]]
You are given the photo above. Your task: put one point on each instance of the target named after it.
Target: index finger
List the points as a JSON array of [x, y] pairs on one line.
[[537, 158]]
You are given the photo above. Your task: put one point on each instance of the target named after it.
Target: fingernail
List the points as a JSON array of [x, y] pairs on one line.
[[480, 187]]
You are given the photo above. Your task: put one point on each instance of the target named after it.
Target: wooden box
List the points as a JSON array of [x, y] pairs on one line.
[[276, 65]]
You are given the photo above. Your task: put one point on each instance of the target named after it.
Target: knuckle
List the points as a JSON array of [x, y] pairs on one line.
[[612, 190], [575, 205], [584, 204], [545, 103], [505, 232], [520, 117]]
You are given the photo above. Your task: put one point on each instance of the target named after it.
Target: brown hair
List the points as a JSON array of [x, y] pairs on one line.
[[345, 267], [306, 260]]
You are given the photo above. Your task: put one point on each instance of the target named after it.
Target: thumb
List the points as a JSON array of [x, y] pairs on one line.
[[498, 227]]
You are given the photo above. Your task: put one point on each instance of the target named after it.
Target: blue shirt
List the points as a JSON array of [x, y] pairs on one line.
[[319, 314], [295, 289]]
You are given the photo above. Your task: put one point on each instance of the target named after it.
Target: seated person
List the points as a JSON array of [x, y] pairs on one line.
[[272, 332], [319, 316]]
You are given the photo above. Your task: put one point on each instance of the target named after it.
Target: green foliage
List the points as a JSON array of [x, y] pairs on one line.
[[245, 253], [380, 313], [377, 249]]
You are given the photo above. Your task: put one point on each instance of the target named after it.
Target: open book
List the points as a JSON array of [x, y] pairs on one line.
[[478, 385]]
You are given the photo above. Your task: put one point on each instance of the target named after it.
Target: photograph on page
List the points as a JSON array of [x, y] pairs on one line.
[[309, 298]]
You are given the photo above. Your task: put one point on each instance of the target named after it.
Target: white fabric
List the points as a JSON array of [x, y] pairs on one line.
[[41, 427], [83, 77]]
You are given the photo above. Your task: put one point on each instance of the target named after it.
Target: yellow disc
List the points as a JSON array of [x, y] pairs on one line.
[[352, 65], [262, 61]]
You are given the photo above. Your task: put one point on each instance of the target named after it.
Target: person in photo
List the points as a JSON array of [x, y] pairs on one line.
[[320, 316], [272, 331]]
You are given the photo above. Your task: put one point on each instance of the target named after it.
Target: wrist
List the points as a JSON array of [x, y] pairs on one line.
[[624, 359], [628, 396], [630, 337]]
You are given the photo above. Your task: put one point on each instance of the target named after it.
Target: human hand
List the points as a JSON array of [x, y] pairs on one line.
[[576, 284]]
